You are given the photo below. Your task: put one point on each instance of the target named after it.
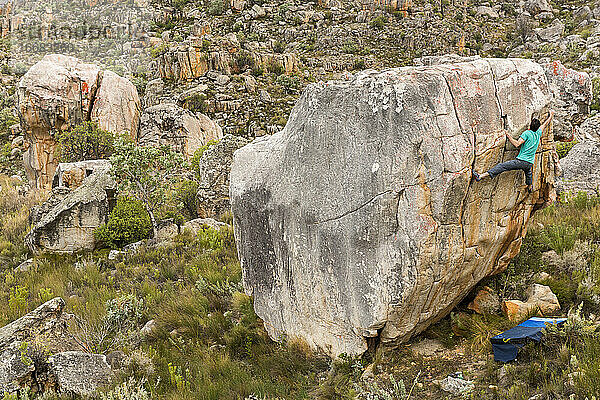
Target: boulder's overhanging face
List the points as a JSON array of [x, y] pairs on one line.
[[360, 220], [61, 91]]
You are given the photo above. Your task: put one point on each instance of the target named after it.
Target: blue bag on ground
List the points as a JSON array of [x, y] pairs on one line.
[[507, 344]]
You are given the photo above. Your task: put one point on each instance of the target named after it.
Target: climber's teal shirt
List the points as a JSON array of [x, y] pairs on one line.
[[530, 145]]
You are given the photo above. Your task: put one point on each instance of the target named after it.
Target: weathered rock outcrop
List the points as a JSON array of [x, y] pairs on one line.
[[580, 169], [42, 330], [78, 373], [68, 222], [178, 127], [60, 92], [213, 175], [360, 221], [572, 92], [71, 175]]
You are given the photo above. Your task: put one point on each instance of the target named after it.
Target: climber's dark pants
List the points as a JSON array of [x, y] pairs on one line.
[[511, 166]]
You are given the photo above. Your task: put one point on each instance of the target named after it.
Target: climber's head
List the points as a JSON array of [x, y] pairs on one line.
[[535, 124]]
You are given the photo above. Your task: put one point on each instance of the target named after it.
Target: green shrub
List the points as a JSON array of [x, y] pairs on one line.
[[278, 47], [124, 311], [563, 148], [186, 198], [216, 7], [378, 22], [129, 222], [85, 142], [595, 94], [196, 103], [559, 238]]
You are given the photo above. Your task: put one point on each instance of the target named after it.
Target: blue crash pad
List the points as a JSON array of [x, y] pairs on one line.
[[507, 344]]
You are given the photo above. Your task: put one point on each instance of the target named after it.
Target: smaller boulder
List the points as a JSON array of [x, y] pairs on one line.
[[172, 125], [535, 7], [71, 175], [553, 33], [80, 374], [580, 169], [486, 301], [67, 223], [213, 173], [485, 11], [539, 298]]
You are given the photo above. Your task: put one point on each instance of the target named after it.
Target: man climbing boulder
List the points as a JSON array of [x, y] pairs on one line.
[[527, 144]]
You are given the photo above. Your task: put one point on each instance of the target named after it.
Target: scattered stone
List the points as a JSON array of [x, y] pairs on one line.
[[542, 276], [80, 374], [25, 266], [539, 297], [486, 301], [115, 254], [149, 328], [222, 80], [264, 96], [552, 33], [535, 7], [456, 386], [485, 11]]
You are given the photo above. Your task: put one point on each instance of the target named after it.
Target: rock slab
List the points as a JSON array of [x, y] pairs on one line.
[[360, 223], [66, 222]]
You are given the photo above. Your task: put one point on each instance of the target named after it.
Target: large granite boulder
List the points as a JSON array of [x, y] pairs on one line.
[[213, 176], [61, 91], [360, 222], [178, 127], [66, 222]]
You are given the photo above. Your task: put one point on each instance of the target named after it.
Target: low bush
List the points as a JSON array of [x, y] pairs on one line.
[[129, 222], [85, 142]]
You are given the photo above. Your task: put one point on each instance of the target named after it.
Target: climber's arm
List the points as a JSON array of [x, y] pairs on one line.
[[515, 142], [543, 127]]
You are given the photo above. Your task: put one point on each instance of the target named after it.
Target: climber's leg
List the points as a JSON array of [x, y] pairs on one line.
[[505, 166]]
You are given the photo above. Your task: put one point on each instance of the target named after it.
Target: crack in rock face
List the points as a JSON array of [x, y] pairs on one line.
[[338, 252]]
